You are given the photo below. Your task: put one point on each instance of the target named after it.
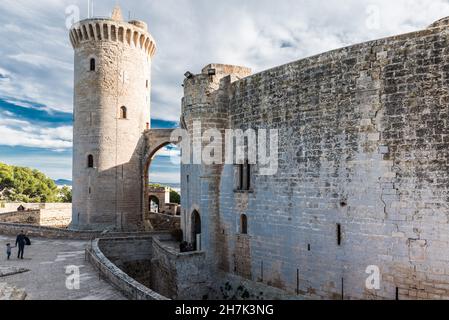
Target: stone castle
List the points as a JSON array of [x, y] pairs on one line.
[[363, 177]]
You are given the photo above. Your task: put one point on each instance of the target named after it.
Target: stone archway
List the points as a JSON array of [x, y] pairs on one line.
[[154, 205], [155, 140]]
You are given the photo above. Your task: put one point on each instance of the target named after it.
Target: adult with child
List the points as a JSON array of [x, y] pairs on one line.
[[21, 241]]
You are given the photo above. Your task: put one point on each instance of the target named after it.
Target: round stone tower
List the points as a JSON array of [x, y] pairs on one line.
[[111, 112]]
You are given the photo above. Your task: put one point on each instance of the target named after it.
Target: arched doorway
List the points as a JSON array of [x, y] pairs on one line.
[[196, 230], [154, 204]]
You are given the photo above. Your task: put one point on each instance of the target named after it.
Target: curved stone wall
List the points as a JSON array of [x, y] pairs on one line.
[[127, 285], [151, 267]]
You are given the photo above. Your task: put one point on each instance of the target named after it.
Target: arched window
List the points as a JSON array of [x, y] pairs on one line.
[[90, 161], [92, 64], [243, 224], [123, 113]]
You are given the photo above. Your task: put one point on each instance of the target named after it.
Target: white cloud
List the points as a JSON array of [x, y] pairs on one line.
[[40, 61], [4, 73], [15, 132], [14, 137], [169, 152], [166, 177], [192, 33]]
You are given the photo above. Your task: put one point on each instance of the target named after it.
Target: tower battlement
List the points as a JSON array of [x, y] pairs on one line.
[[133, 33]]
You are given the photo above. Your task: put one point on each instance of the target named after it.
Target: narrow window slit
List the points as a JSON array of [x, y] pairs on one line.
[[338, 234]]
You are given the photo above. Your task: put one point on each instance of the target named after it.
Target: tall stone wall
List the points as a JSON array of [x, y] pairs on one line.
[[205, 107], [363, 145]]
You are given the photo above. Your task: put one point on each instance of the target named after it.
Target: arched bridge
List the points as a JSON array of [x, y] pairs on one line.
[[154, 140]]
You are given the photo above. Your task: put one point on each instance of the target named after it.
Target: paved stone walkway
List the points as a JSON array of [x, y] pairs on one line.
[[47, 261]]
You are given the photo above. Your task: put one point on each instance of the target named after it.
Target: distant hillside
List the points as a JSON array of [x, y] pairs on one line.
[[63, 182], [175, 186]]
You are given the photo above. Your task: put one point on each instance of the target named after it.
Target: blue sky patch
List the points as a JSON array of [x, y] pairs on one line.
[[25, 120]]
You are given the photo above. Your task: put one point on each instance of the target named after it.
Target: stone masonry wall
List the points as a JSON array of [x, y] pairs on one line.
[[58, 215], [162, 222], [152, 261], [109, 195], [182, 276], [363, 144], [26, 217], [6, 207], [205, 108]]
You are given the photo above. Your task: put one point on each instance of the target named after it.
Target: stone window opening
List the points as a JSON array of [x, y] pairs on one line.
[[243, 224], [123, 113], [243, 176], [146, 84], [338, 234], [92, 64], [90, 161]]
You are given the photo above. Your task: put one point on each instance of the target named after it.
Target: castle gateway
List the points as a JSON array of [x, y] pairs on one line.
[[363, 170]]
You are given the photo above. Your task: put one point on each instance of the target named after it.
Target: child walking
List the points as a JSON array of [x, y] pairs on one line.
[[8, 250]]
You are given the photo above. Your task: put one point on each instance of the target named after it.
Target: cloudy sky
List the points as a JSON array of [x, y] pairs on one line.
[[36, 65]]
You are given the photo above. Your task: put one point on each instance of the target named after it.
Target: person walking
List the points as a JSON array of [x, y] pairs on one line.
[[21, 242], [8, 251]]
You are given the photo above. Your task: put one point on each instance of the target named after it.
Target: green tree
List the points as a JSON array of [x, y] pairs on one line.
[[26, 185], [175, 197], [65, 195]]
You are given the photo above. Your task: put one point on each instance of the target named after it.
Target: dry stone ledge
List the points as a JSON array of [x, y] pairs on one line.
[[9, 271], [11, 293], [12, 229]]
